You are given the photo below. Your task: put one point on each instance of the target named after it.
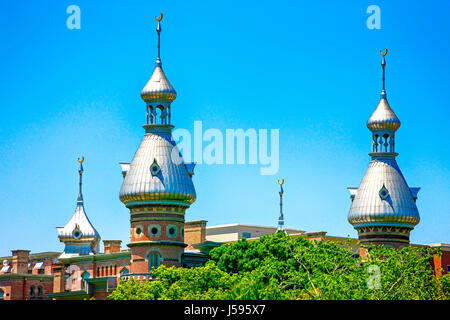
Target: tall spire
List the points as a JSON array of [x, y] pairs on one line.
[[158, 30], [79, 235], [281, 217], [158, 93], [80, 171], [383, 65], [383, 122]]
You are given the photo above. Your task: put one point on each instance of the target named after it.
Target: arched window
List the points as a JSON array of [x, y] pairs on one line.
[[86, 275], [32, 294], [154, 260], [40, 292], [124, 271], [2, 294]]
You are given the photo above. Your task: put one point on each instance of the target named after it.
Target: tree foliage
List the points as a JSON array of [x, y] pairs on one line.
[[278, 266]]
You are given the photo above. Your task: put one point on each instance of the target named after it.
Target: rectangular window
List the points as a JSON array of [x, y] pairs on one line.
[[448, 268], [246, 235], [41, 271]]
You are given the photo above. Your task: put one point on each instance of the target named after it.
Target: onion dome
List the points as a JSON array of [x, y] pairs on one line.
[[384, 198], [157, 173], [383, 118], [158, 88]]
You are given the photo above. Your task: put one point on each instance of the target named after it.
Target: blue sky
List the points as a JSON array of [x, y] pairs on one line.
[[308, 68]]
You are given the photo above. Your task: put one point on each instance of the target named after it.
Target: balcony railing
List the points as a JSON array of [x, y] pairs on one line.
[[138, 276]]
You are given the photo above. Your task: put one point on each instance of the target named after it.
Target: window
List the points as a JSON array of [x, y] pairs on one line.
[[40, 292], [2, 293], [41, 271], [246, 235], [448, 268], [138, 231], [154, 230], [172, 231], [154, 168], [84, 277], [154, 260], [124, 271], [32, 294]]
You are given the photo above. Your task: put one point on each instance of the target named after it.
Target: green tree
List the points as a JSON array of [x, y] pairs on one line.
[[279, 266]]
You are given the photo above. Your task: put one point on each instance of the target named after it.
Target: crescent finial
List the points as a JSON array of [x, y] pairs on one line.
[[385, 52], [281, 183], [160, 18], [82, 159]]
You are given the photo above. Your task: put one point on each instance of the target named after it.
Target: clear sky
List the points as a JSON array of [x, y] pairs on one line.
[[308, 68]]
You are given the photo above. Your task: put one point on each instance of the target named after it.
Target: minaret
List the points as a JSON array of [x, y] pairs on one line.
[[281, 217], [157, 186], [79, 235], [383, 207]]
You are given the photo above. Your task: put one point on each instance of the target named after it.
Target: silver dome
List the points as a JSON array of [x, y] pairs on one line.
[[158, 88], [383, 118], [171, 184], [370, 207]]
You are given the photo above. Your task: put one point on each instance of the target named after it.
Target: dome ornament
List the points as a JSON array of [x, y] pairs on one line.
[[385, 52], [384, 193], [160, 17]]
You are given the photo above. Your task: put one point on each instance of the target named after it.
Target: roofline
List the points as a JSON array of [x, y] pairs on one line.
[[50, 254], [249, 225]]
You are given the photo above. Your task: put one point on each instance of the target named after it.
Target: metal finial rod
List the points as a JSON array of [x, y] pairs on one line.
[[158, 30], [80, 171], [383, 65], [281, 218]]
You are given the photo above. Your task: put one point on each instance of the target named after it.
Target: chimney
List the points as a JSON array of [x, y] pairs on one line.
[[112, 246], [195, 232], [20, 261], [59, 278]]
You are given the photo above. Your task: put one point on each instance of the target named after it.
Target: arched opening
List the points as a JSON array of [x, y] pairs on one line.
[[2, 294], [40, 293], [32, 293], [163, 114], [375, 143], [154, 260], [386, 143], [86, 275], [124, 271]]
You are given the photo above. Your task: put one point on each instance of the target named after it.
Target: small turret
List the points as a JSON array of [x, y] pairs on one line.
[[79, 235]]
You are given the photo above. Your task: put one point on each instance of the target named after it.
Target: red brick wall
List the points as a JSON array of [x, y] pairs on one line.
[[14, 289]]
